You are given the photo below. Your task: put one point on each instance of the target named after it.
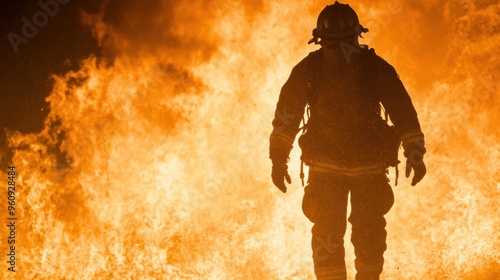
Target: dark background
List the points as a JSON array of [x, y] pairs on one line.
[[25, 76]]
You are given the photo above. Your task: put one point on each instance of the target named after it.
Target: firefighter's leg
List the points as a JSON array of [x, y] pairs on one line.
[[371, 199], [325, 204]]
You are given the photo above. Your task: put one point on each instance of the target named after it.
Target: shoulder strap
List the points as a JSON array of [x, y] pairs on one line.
[[369, 71], [313, 71], [371, 78], [313, 75]]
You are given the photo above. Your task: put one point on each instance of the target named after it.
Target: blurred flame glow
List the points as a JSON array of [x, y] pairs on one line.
[[155, 166]]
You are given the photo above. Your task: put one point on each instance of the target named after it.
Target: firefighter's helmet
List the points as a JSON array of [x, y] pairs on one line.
[[337, 22]]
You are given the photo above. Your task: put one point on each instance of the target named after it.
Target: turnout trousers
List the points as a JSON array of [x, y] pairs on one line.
[[325, 204]]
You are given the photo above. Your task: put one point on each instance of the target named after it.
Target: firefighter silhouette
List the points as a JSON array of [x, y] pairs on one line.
[[348, 142]]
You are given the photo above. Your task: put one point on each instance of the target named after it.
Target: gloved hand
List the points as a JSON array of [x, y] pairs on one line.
[[415, 161], [279, 174]]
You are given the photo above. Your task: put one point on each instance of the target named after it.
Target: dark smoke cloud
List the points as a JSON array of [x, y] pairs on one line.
[[155, 27], [56, 48]]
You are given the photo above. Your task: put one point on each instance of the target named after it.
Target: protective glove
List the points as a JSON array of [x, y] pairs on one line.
[[415, 161], [279, 174]]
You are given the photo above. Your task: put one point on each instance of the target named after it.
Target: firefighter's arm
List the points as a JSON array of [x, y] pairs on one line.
[[286, 122], [398, 104]]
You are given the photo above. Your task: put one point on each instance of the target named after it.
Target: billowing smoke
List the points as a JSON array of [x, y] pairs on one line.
[[180, 30], [153, 161]]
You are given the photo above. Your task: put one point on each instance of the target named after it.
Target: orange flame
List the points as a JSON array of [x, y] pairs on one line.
[[155, 166]]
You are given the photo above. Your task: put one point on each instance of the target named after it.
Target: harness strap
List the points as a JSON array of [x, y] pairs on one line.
[[302, 172], [313, 72], [313, 78]]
